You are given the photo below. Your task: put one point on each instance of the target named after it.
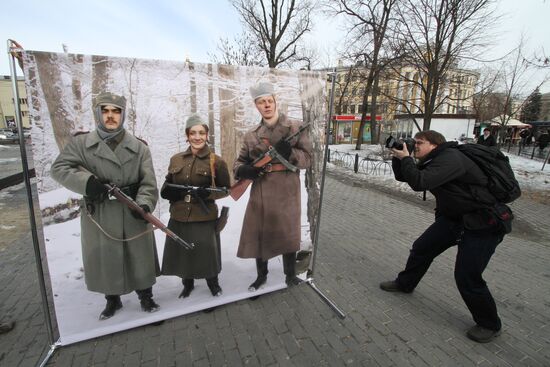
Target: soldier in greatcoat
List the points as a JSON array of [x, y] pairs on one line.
[[118, 246], [271, 224]]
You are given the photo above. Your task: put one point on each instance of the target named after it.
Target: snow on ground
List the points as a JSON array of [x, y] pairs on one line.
[[77, 309], [528, 171]]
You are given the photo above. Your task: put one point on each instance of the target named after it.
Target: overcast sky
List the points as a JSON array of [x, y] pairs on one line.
[[174, 30]]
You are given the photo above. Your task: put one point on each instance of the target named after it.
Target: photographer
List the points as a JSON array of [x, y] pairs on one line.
[[463, 217]]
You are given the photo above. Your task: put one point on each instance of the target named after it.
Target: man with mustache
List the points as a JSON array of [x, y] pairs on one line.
[[118, 246]]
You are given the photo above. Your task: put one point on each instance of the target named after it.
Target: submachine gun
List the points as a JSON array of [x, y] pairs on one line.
[[239, 188]]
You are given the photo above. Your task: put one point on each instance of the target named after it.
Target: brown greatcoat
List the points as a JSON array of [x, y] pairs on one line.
[[271, 224], [189, 220]]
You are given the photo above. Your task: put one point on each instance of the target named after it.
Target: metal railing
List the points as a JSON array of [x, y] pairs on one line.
[[371, 165]]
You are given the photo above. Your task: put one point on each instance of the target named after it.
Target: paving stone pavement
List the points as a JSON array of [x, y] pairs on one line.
[[365, 238]]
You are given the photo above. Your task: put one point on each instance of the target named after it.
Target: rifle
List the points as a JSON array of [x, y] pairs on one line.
[[238, 189], [193, 191], [130, 203]]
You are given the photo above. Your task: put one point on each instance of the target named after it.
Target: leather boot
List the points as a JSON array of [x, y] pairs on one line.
[[146, 300], [289, 268], [214, 286], [261, 269], [188, 286], [113, 304]]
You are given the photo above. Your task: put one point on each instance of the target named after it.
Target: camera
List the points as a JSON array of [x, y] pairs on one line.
[[393, 143]]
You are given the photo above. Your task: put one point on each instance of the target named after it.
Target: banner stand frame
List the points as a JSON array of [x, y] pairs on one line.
[[310, 280], [12, 48]]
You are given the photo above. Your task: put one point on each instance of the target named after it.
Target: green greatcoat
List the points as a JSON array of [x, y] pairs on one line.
[[111, 266]]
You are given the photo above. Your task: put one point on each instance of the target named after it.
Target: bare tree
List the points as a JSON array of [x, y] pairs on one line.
[[277, 27], [515, 79], [484, 101], [369, 23], [242, 50], [436, 35]]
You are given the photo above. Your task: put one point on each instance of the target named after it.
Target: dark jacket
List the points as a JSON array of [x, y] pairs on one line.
[[489, 142], [458, 184]]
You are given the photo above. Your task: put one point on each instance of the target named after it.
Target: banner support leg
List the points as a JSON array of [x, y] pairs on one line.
[[50, 353], [325, 298]]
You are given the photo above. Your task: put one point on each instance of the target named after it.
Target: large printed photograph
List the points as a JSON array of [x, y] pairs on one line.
[[225, 162]]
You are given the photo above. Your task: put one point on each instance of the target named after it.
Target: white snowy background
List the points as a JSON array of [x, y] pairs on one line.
[[159, 93]]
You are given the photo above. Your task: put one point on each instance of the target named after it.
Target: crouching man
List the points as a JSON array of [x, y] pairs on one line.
[[463, 218], [118, 246]]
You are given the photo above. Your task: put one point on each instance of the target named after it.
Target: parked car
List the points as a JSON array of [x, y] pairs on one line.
[[8, 135]]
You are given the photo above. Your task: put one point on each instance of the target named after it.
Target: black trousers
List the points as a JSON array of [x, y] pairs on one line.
[[475, 249]]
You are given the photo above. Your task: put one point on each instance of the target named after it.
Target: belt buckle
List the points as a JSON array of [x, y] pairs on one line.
[[268, 167], [187, 198]]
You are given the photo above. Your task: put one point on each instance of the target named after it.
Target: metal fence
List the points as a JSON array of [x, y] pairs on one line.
[[371, 165]]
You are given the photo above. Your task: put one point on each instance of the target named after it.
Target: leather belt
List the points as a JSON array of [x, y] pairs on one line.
[[274, 167]]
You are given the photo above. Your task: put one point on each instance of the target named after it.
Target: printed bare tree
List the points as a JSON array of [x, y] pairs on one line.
[[436, 35], [276, 27], [55, 96], [369, 23]]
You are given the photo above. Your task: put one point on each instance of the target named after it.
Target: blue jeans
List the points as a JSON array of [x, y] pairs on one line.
[[475, 249]]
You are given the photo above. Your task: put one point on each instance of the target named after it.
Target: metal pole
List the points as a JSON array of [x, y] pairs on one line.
[[546, 160], [309, 280], [316, 234], [26, 177], [328, 301]]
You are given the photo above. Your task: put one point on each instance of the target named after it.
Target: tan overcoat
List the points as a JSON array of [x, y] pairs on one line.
[[112, 267], [271, 224]]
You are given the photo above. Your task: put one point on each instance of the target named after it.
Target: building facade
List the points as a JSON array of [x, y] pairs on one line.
[[7, 105], [398, 93]]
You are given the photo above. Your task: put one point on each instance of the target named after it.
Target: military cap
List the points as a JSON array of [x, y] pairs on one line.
[[194, 120], [105, 98], [261, 89]]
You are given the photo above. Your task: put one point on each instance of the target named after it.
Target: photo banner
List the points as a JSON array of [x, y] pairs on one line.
[[160, 96]]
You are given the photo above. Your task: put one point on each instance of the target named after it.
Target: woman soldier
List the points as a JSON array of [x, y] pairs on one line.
[[193, 212]]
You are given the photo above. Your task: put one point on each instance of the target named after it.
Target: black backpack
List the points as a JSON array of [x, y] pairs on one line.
[[502, 181]]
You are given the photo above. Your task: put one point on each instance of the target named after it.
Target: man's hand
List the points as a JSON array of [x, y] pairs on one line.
[[400, 154], [249, 172], [283, 148], [137, 215], [94, 188]]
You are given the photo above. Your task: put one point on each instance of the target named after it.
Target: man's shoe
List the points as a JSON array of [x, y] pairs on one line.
[[292, 281], [113, 304], [188, 286], [148, 305], [482, 335], [260, 280], [392, 286]]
